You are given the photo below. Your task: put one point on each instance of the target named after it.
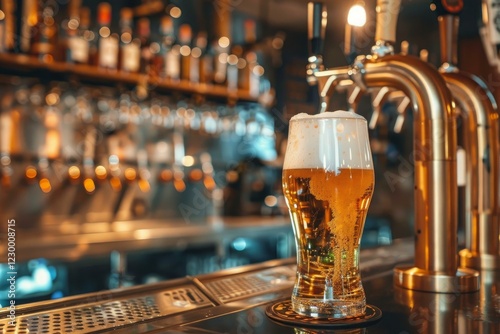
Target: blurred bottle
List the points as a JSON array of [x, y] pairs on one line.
[[7, 26], [167, 39], [185, 36], [67, 29], [108, 42], [221, 49], [162, 47], [248, 53], [80, 37], [207, 63], [232, 72], [197, 53], [29, 12], [3, 32], [171, 50], [144, 35], [44, 32], [130, 51]]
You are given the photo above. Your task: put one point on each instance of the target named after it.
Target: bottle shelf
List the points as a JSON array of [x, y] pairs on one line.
[[26, 63]]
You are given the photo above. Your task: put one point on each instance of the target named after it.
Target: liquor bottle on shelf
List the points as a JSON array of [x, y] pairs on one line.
[[80, 37], [170, 50], [207, 63], [130, 51], [144, 34], [166, 39], [44, 32], [30, 15], [232, 72], [108, 41], [221, 48], [195, 63], [3, 44], [185, 35], [254, 72], [248, 55], [67, 30], [7, 26]]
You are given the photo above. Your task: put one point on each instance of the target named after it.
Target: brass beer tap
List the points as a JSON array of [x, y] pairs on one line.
[[435, 144], [479, 107]]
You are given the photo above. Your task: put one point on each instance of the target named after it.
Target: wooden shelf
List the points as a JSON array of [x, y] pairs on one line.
[[25, 63], [149, 8]]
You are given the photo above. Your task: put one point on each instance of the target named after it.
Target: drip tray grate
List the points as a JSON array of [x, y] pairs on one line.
[[232, 288], [90, 318]]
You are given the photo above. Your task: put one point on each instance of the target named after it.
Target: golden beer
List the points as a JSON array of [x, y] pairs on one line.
[[328, 201]]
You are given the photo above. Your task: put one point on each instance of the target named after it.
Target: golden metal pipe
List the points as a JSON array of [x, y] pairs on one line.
[[448, 31], [482, 149], [434, 154], [479, 108]]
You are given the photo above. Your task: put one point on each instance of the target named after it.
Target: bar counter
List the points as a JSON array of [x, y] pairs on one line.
[[70, 241], [235, 301]]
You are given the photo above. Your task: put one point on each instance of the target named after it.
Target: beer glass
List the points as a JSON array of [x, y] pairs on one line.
[[328, 183]]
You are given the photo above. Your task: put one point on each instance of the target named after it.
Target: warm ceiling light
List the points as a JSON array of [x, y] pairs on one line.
[[357, 16]]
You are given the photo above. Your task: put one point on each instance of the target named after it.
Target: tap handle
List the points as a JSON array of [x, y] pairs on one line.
[[447, 12], [490, 11], [387, 19], [447, 7], [316, 27]]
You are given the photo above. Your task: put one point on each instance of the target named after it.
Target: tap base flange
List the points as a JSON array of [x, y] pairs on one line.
[[478, 261], [413, 278]]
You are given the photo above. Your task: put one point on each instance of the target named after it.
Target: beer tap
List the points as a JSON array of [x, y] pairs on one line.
[[384, 94], [316, 27], [489, 33], [479, 107], [88, 159], [435, 146], [5, 146], [380, 98], [179, 153]]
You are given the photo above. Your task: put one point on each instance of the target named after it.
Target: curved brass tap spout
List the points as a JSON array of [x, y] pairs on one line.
[[435, 135], [482, 187]]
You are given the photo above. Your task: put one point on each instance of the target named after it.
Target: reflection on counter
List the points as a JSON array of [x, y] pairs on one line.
[[455, 313]]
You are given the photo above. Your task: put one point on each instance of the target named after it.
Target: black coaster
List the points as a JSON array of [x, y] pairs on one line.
[[282, 312]]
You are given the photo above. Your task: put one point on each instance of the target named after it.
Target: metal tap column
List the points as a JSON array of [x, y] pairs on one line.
[[435, 163], [479, 107]]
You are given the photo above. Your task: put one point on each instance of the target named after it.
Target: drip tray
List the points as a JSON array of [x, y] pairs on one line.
[[251, 284], [95, 317]]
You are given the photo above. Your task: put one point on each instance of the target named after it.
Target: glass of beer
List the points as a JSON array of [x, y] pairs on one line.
[[328, 182]]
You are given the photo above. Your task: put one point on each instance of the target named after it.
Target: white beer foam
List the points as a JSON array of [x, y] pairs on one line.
[[330, 140]]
